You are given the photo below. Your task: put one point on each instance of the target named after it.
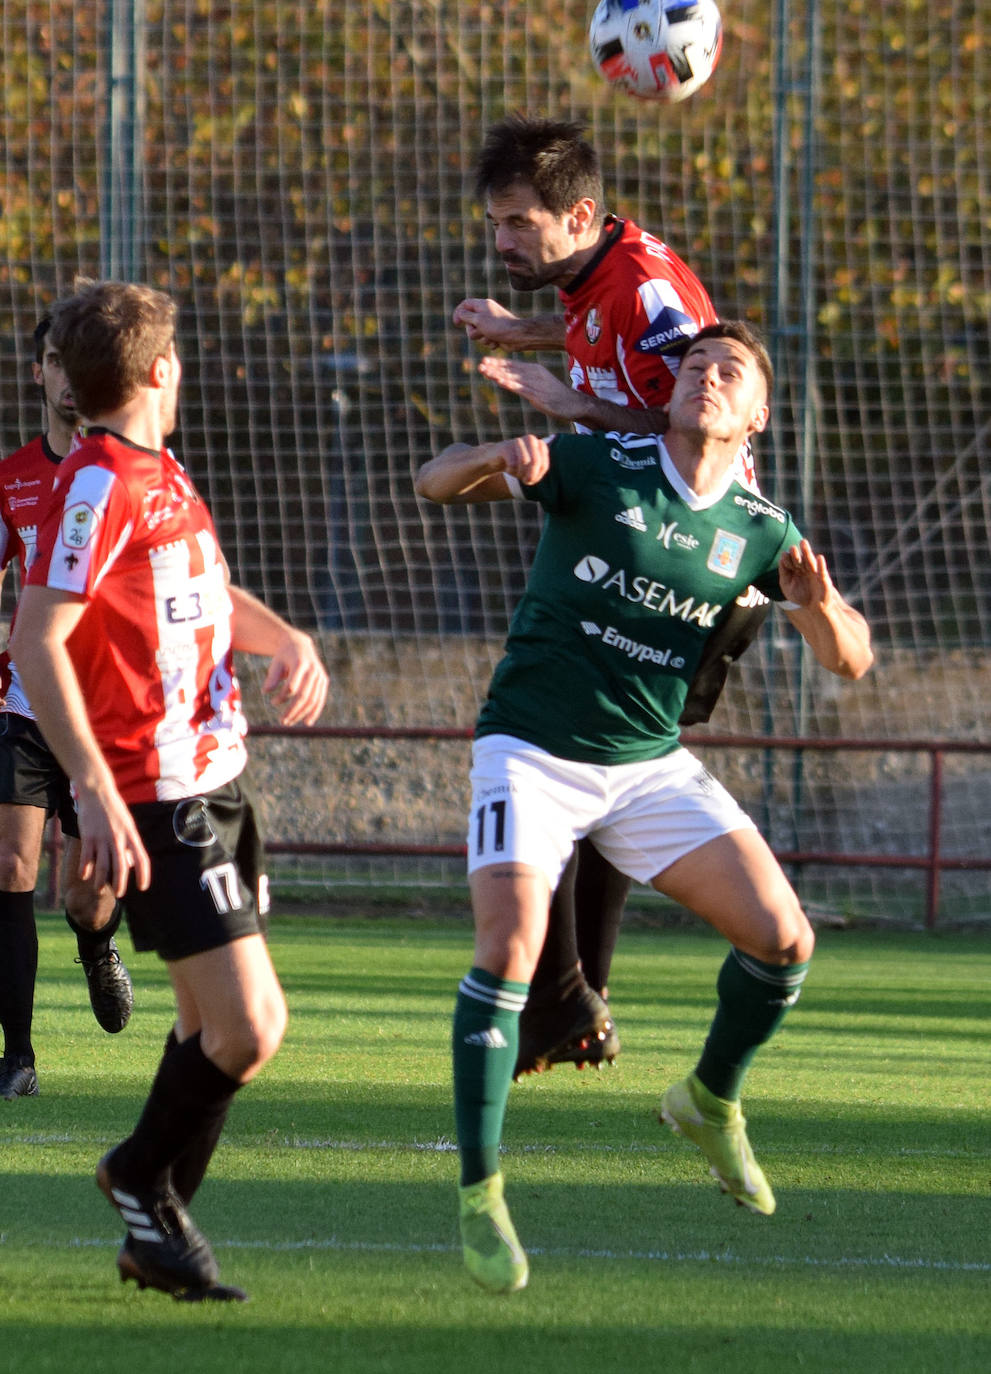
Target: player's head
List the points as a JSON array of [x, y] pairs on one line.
[[550, 155], [542, 188], [748, 338], [724, 383], [113, 339], [49, 374]]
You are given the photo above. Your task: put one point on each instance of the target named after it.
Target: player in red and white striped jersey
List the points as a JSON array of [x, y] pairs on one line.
[[166, 709], [32, 784], [125, 640]]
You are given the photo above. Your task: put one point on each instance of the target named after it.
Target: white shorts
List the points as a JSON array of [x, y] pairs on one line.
[[529, 807]]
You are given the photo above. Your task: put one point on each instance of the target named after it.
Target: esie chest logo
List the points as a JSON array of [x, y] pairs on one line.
[[593, 325]]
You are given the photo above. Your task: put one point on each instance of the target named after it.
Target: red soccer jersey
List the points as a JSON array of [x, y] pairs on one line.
[[26, 480], [629, 315], [153, 650]]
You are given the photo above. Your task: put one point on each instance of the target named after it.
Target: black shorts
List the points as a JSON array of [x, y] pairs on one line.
[[30, 774], [208, 884]]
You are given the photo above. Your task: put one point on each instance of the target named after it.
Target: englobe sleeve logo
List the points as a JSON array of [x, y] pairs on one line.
[[79, 524]]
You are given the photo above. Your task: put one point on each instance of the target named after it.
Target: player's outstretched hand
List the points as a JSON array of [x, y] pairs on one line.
[[804, 577], [487, 322], [296, 682], [534, 383], [836, 632]]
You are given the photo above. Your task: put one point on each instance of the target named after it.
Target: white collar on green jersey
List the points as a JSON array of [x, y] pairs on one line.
[[691, 498]]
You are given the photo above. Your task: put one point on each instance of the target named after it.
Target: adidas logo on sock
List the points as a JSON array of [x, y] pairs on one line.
[[491, 1039]]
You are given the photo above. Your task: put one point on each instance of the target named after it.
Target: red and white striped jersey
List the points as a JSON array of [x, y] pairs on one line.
[[153, 651], [629, 315], [26, 480]]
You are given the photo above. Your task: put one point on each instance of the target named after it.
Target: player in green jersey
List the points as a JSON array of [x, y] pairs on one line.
[[628, 305], [646, 544]]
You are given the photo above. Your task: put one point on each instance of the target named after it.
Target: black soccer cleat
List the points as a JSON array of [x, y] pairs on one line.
[[600, 1048], [17, 1079], [212, 1292], [129, 1266], [565, 1024], [164, 1248], [111, 994]]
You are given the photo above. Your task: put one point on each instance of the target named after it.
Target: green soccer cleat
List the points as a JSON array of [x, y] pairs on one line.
[[493, 1254], [719, 1130]]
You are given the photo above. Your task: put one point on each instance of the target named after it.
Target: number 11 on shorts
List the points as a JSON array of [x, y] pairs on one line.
[[490, 828]]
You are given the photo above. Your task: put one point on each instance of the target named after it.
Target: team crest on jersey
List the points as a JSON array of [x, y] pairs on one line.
[[593, 325], [79, 524], [725, 554]]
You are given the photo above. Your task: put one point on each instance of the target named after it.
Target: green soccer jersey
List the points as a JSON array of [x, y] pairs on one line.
[[631, 574]]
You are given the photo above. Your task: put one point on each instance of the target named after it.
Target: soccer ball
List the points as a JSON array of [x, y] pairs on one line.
[[656, 49]]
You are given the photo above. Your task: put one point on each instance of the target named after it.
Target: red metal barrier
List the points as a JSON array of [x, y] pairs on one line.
[[933, 862]]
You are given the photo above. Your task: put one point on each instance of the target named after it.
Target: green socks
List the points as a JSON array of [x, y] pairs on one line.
[[484, 1044], [753, 1000]]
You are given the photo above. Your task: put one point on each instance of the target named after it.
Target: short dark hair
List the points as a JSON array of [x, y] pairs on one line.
[[108, 335], [40, 332], [548, 154], [742, 333]]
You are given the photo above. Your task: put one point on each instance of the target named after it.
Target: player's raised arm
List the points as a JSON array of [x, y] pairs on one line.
[[462, 474], [487, 322], [838, 634], [538, 386], [296, 681]]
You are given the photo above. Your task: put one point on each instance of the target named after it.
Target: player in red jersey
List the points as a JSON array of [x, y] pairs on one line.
[[32, 784], [125, 639], [630, 308]]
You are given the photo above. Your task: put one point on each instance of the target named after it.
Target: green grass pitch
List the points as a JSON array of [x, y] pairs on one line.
[[331, 1198]]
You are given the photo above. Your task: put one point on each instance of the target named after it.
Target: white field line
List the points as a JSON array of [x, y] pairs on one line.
[[444, 1145], [333, 1244]]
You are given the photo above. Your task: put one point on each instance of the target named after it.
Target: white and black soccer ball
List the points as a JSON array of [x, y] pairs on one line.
[[656, 49]]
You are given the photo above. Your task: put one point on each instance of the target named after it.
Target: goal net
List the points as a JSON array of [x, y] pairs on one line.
[[299, 177]]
